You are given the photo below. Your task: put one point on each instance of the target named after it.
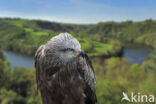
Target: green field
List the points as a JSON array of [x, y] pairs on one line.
[[26, 36]]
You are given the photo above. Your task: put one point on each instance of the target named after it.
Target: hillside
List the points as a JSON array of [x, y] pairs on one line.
[[101, 39], [25, 36], [113, 75], [143, 32]]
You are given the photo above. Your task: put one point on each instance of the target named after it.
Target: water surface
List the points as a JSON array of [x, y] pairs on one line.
[[18, 59], [134, 55]]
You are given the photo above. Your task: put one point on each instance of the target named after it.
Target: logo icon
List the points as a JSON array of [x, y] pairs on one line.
[[125, 97]]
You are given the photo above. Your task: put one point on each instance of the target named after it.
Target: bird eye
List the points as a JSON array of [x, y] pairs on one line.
[[67, 49]]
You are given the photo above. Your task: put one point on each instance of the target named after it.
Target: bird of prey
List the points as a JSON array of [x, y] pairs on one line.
[[64, 73]]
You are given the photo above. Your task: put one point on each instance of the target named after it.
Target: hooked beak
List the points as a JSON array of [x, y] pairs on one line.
[[77, 52]]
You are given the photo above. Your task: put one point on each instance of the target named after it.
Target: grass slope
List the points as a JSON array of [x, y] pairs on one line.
[[25, 36], [143, 32]]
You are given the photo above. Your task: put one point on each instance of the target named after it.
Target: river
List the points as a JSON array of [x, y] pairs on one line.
[[19, 60], [134, 55]]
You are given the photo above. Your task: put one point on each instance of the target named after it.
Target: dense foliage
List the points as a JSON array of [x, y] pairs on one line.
[[114, 75], [143, 32], [25, 36], [17, 85], [117, 75]]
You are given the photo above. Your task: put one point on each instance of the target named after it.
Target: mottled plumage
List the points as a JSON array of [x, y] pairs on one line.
[[63, 74]]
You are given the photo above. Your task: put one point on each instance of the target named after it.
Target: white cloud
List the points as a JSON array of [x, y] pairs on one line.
[[83, 12]]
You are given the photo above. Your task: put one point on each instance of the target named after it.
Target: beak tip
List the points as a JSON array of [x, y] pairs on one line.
[[79, 50], [82, 53]]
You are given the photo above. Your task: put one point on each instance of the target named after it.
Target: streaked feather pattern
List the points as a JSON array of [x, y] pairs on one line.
[[59, 83]]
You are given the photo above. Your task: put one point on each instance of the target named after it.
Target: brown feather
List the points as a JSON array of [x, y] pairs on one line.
[[72, 83]]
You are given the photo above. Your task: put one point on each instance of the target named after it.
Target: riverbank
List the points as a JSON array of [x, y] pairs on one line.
[[133, 55], [25, 36], [17, 59]]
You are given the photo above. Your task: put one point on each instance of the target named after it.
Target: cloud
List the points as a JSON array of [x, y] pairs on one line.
[[77, 11]]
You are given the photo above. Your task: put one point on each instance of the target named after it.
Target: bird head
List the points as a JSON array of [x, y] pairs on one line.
[[64, 48]]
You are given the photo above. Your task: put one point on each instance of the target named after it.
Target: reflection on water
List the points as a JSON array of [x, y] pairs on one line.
[[132, 54], [136, 55], [20, 60]]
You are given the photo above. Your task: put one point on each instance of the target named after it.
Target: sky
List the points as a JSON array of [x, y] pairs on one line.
[[79, 11]]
